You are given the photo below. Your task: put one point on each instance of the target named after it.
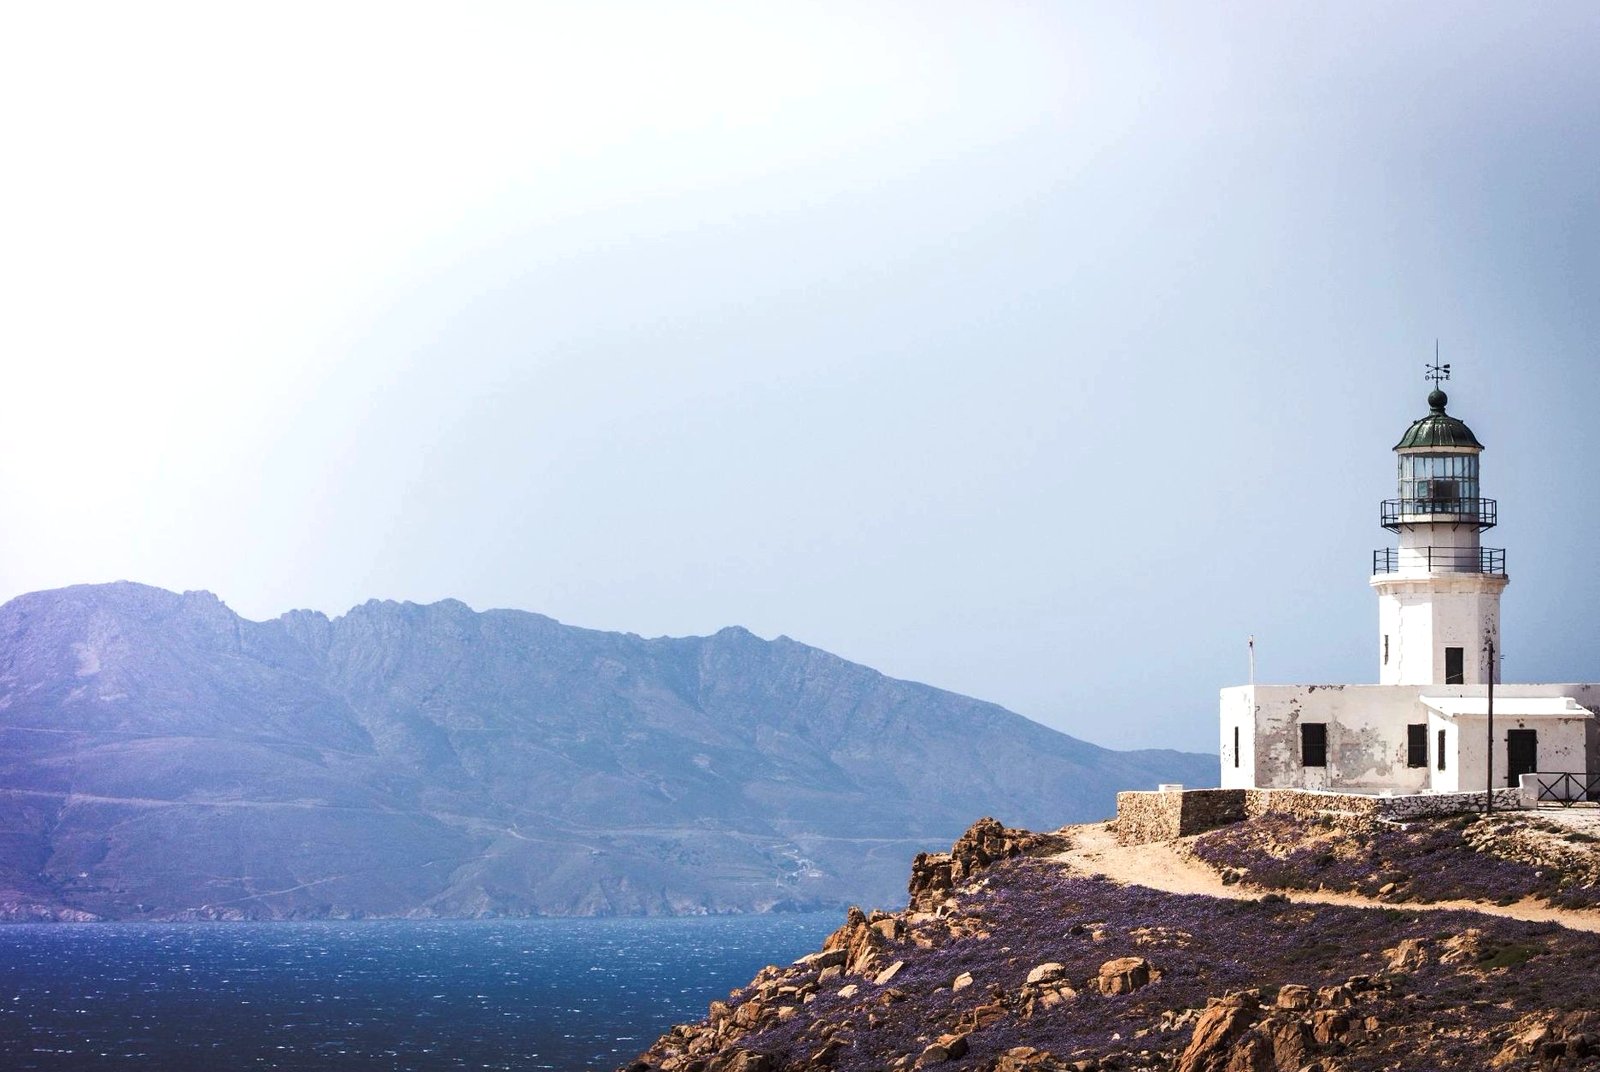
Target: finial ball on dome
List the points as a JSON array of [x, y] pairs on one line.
[[1437, 400]]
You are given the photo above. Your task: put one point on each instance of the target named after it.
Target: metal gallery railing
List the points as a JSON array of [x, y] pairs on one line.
[[1439, 560], [1482, 513]]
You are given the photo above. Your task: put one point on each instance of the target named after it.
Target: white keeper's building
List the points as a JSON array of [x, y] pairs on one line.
[[1423, 727]]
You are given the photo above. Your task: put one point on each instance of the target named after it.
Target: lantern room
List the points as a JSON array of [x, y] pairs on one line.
[[1438, 474]]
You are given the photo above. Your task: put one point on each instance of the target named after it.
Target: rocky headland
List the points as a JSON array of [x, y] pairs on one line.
[[1049, 952]]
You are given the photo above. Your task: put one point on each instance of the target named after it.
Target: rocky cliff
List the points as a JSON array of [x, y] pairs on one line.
[[1011, 959], [161, 757]]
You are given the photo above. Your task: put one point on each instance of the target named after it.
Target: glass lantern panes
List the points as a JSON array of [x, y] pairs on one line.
[[1439, 478]]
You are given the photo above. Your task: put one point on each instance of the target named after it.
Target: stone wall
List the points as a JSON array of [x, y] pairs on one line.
[[1417, 806], [1305, 803], [1144, 816]]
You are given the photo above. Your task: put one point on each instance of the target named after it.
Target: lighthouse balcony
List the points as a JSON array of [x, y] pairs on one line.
[[1419, 560], [1451, 511]]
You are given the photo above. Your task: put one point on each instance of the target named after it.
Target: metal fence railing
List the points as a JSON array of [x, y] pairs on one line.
[[1566, 789]]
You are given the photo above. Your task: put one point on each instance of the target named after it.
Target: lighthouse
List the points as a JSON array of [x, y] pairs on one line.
[[1424, 729], [1439, 589]]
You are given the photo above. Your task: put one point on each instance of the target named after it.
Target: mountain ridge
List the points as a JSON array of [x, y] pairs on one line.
[[167, 758]]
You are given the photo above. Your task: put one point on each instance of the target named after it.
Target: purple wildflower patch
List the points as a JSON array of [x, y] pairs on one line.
[[1423, 861], [1035, 911]]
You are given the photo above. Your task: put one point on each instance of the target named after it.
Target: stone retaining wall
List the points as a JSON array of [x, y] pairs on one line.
[[1305, 803], [1144, 816]]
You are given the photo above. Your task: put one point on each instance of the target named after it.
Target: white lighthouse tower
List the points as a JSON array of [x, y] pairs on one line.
[[1429, 727], [1439, 590]]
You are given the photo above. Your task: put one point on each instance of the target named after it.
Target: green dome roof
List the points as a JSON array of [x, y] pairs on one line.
[[1438, 428]]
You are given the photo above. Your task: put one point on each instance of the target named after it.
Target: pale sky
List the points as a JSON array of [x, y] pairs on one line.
[[1041, 351]]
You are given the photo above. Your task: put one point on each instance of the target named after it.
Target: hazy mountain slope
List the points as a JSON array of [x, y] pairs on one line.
[[161, 756]]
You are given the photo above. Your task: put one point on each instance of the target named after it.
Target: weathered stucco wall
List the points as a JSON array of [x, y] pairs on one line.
[[1237, 745], [1562, 746], [1422, 615], [1367, 736], [1446, 777]]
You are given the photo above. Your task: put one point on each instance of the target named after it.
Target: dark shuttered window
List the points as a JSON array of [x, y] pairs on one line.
[[1313, 744], [1417, 745]]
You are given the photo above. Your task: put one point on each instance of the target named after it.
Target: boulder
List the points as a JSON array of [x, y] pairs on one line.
[[742, 1061], [984, 843], [1028, 1059], [826, 1054], [1125, 975], [1292, 1044], [1294, 996], [1053, 996], [854, 947], [1047, 972], [1225, 1021], [1329, 1025], [1408, 956], [981, 1016], [888, 928], [1334, 997], [1463, 948]]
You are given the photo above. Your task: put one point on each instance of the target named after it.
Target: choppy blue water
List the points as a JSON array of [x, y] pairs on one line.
[[393, 995]]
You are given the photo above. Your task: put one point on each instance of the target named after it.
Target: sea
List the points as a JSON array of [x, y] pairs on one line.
[[402, 996]]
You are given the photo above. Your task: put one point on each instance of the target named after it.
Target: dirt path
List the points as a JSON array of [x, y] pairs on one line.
[[1164, 866]]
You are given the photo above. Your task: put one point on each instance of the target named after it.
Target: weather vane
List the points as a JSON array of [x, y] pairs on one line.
[[1436, 372]]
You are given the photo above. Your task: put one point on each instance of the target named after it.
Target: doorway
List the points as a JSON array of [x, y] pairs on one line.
[[1522, 754]]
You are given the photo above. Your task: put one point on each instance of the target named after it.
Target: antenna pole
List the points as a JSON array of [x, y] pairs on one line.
[[1488, 789]]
